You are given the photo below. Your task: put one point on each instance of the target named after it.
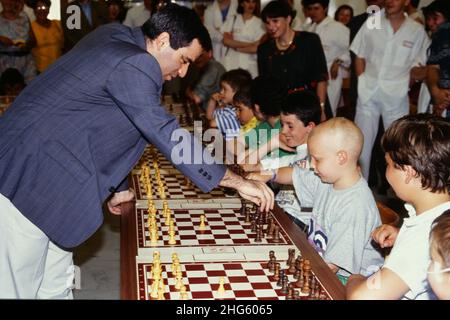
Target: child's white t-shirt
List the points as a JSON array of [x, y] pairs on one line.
[[409, 258]]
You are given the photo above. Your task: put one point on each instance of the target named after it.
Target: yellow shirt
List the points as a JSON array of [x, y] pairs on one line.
[[49, 43], [249, 125]]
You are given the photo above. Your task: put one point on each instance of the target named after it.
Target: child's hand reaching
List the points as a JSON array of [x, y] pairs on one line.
[[385, 235]]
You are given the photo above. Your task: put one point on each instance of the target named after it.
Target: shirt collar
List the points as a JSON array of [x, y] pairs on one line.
[[301, 147], [428, 215]]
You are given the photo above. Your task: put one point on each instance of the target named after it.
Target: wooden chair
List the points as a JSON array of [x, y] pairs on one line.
[[388, 216]]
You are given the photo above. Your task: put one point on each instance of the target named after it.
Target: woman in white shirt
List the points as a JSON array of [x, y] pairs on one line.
[[241, 37]]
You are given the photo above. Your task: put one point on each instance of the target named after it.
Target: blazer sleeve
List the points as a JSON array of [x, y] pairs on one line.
[[135, 86]]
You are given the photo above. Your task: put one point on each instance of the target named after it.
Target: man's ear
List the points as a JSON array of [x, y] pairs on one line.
[[410, 174], [342, 157], [163, 40]]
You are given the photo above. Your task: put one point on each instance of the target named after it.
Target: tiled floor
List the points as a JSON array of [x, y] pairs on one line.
[[99, 262]]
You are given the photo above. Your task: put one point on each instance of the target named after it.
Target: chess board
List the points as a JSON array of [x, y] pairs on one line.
[[249, 280], [176, 188], [223, 227], [147, 158]]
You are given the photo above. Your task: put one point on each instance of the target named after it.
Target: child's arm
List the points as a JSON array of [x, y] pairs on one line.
[[281, 176], [385, 235], [212, 105], [383, 285]]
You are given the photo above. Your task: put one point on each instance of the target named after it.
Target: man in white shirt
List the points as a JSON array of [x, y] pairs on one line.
[[385, 53], [137, 15], [335, 39], [216, 15]]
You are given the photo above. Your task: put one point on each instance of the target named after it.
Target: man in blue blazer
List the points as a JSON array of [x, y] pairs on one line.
[[69, 140]]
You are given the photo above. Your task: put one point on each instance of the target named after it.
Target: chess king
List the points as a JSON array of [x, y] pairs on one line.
[[71, 137]]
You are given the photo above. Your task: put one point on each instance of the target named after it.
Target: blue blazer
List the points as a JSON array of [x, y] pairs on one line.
[[72, 136]]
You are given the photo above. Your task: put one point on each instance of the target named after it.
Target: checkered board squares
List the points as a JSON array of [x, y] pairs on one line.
[[147, 158], [243, 281], [176, 189], [224, 227]]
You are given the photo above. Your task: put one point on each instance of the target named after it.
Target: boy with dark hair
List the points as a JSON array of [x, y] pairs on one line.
[[220, 111], [417, 150]]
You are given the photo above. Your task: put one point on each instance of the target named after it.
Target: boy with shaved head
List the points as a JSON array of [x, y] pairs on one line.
[[344, 210]]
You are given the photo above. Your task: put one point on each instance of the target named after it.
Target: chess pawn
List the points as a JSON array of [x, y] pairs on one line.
[[243, 209], [153, 236], [280, 278], [179, 282], [168, 217], [291, 256], [276, 234], [221, 288], [202, 225], [284, 285], [174, 256], [270, 264], [172, 240], [183, 293], [276, 275], [155, 287], [161, 293]]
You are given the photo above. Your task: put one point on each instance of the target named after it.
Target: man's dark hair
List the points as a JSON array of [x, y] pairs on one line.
[[421, 141], [324, 3], [48, 3], [181, 23], [305, 105], [341, 8], [11, 77], [240, 8], [440, 237], [440, 6], [237, 78], [268, 93], [243, 96], [276, 9], [415, 3]]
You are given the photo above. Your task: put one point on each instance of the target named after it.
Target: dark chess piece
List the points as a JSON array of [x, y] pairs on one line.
[[276, 234], [271, 263], [271, 228], [247, 216], [276, 274], [290, 294], [291, 257], [280, 278], [259, 234], [296, 295], [296, 273], [292, 267], [254, 226], [243, 208], [284, 285]]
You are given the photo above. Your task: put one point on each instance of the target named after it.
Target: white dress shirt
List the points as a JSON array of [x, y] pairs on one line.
[[389, 56]]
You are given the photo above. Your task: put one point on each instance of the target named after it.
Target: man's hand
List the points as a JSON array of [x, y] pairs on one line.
[[334, 70], [441, 97], [119, 198], [255, 191], [385, 235], [263, 176]]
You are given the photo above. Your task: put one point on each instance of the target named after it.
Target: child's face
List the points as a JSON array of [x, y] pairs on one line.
[[227, 92], [439, 281], [324, 160], [244, 113], [293, 130], [396, 178]]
